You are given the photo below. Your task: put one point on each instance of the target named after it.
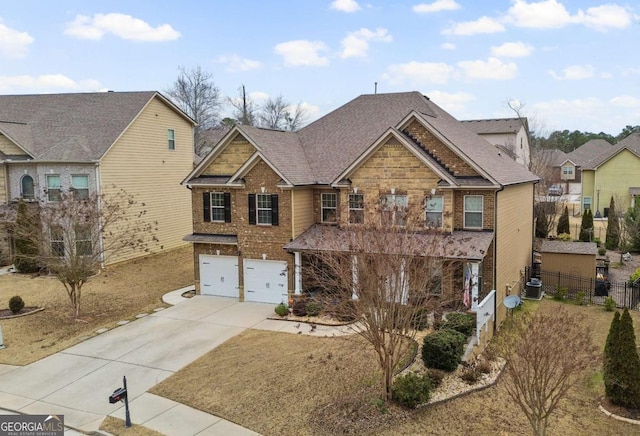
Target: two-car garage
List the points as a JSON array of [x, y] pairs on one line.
[[265, 281]]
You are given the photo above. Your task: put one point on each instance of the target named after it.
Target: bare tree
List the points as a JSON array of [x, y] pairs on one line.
[[196, 94], [296, 117], [382, 272], [77, 234], [277, 113], [546, 355], [245, 110]]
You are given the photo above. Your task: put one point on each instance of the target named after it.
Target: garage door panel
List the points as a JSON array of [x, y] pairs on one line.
[[219, 275], [265, 281]]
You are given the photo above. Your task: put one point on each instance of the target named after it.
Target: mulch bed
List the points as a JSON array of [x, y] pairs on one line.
[[7, 313]]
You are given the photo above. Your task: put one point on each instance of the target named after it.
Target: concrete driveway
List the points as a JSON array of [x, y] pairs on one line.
[[77, 381]]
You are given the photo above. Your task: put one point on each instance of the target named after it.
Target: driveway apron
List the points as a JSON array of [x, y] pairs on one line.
[[76, 382]]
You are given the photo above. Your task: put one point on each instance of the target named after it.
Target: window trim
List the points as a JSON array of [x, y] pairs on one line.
[[32, 196], [77, 192], [253, 210], [352, 210], [390, 209], [171, 139], [87, 240], [465, 211], [51, 190], [59, 250], [584, 203], [333, 208], [208, 209], [429, 223]]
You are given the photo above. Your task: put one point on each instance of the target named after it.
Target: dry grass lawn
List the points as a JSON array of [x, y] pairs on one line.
[[116, 426], [276, 383], [119, 293]]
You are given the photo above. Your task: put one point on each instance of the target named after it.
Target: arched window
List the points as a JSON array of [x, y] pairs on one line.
[[26, 187]]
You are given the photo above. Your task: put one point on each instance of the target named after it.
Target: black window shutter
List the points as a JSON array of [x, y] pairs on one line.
[[206, 202], [227, 207], [252, 208], [274, 209]]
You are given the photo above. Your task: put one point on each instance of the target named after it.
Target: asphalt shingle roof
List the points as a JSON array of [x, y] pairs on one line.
[[497, 125], [589, 151], [69, 127]]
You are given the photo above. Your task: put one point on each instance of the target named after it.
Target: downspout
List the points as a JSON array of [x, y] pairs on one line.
[[495, 256]]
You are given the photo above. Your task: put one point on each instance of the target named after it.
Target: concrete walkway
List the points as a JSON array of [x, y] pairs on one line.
[[76, 382]]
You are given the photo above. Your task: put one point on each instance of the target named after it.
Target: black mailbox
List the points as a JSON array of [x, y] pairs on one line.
[[118, 395]]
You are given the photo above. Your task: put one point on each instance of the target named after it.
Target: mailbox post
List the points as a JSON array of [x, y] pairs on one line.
[[120, 394]]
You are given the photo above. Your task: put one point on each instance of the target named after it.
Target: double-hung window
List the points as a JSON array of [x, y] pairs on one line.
[[171, 139], [356, 208], [84, 245], [473, 206], [56, 237], [217, 207], [80, 186], [433, 211], [394, 209], [329, 204], [53, 187], [263, 209]]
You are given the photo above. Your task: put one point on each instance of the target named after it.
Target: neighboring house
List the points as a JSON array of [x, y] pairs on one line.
[[260, 196], [613, 170], [100, 143], [509, 134]]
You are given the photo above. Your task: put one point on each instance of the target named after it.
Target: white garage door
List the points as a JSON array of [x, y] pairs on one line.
[[219, 275], [265, 281]]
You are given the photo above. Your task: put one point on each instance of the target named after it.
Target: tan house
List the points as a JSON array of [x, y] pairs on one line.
[[99, 143], [261, 196], [509, 134]]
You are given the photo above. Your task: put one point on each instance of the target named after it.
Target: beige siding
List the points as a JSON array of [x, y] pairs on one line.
[[232, 158], [302, 210], [514, 240], [577, 265], [142, 164], [8, 147]]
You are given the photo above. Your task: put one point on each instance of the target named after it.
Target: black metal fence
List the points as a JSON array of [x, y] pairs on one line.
[[592, 291]]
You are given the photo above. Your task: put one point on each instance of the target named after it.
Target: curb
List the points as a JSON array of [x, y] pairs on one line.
[[619, 418]]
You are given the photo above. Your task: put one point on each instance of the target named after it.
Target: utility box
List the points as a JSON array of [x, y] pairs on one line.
[[533, 289]]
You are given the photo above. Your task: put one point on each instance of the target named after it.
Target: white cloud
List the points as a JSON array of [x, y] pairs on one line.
[[606, 16], [552, 14], [436, 6], [311, 111], [235, 63], [574, 72], [120, 25], [493, 69], [345, 5], [418, 73], [451, 102], [356, 44], [511, 50], [632, 71], [302, 52], [46, 83], [481, 25], [626, 101], [13, 43], [448, 46]]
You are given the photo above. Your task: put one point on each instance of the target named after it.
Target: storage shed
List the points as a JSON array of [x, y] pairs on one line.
[[576, 259]]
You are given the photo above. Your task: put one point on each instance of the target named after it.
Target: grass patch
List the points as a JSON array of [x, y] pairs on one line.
[[119, 293], [116, 427], [277, 383]]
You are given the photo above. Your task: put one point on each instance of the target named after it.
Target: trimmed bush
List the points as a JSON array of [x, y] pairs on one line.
[[443, 349], [420, 319], [460, 322], [26, 250], [299, 307], [609, 304], [346, 311], [282, 309], [314, 308], [436, 376], [16, 304], [411, 390]]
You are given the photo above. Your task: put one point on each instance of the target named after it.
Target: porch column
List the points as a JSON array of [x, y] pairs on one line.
[[354, 277], [297, 271]]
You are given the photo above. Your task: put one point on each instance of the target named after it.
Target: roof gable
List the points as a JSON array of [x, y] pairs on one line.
[[77, 127], [496, 125]]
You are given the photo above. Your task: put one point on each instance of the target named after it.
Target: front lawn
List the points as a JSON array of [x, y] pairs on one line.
[[119, 293], [277, 383]]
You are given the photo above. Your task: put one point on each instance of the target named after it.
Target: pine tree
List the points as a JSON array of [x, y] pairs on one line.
[[26, 251], [586, 229], [563, 222], [622, 363], [613, 227], [542, 228]]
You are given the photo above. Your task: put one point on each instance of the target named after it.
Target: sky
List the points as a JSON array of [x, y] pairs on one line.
[[569, 64]]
